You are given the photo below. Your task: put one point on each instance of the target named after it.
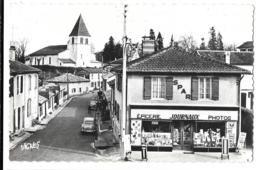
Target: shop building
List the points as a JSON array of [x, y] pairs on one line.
[[178, 100]]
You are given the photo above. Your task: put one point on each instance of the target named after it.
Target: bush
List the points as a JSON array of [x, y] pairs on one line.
[[247, 125]]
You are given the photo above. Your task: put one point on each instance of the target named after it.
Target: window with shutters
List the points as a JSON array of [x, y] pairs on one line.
[[205, 88], [158, 87]]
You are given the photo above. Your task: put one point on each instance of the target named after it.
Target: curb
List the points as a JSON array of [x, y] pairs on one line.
[[58, 111], [21, 141]]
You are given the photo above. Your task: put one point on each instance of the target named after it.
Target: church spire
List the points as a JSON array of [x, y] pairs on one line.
[[80, 28]]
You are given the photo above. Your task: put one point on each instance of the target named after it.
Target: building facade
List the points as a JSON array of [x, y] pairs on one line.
[[23, 96], [70, 84], [179, 101]]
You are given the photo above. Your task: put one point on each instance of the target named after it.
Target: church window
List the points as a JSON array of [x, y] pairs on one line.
[[81, 40]]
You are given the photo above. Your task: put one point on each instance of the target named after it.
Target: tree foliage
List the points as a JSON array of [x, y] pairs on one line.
[[159, 41], [188, 43], [20, 50], [202, 45], [152, 35], [112, 51], [212, 44], [220, 45]]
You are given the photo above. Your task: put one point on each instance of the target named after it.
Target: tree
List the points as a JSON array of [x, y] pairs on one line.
[[108, 52], [212, 45], [220, 45], [188, 43], [231, 47], [159, 41], [152, 35], [202, 45], [172, 41], [118, 52], [20, 50]]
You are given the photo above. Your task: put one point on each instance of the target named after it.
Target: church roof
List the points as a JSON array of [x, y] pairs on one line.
[[80, 28], [49, 50]]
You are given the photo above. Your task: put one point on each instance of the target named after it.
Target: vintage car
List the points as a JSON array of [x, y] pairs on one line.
[[88, 125]]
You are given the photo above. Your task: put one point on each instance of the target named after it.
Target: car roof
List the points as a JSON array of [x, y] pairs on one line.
[[88, 118]]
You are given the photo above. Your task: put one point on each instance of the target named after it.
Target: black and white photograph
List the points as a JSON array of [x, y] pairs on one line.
[[128, 82]]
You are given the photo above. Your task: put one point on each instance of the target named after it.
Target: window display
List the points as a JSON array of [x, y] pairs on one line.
[[208, 134], [157, 139]]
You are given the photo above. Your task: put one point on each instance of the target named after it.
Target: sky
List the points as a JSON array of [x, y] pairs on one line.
[[49, 22]]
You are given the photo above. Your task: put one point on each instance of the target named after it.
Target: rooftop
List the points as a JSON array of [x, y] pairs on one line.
[[49, 50], [174, 60], [80, 28], [67, 61], [247, 44], [92, 70], [17, 67], [236, 58], [67, 78]]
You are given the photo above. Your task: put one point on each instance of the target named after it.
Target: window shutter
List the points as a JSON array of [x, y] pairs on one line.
[[194, 88], [147, 88], [215, 88], [169, 88], [11, 87]]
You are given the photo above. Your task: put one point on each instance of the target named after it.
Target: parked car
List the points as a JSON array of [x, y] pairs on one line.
[[92, 105], [88, 125]]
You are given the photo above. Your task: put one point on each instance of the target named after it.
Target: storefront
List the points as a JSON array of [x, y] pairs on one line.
[[183, 129]]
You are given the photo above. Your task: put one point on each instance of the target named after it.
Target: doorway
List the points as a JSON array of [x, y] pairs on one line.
[[182, 135]]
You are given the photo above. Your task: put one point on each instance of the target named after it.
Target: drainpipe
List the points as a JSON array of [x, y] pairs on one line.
[[239, 102]]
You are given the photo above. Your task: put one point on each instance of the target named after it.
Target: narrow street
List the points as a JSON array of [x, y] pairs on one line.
[[61, 137]]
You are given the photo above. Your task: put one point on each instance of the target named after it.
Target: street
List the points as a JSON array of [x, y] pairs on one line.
[[61, 139]]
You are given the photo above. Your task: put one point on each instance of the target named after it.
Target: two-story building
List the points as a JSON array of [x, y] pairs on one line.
[[178, 100], [23, 95], [71, 84]]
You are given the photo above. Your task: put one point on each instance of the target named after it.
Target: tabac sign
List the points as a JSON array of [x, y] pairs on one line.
[[214, 115]]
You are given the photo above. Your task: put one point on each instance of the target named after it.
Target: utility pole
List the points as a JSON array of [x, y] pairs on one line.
[[123, 121]]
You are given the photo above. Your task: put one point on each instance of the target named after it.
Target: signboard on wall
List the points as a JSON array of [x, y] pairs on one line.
[[231, 133], [155, 114], [241, 140]]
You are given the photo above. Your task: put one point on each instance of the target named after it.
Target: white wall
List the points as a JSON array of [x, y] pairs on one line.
[[94, 79], [228, 92], [19, 100], [83, 85]]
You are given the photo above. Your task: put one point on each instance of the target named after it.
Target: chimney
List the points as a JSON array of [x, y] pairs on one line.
[[227, 57], [148, 45], [12, 52]]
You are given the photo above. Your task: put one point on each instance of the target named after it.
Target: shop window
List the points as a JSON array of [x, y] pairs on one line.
[[156, 126], [208, 134]]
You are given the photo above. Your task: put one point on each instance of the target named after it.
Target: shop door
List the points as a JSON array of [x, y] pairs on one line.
[[182, 135], [187, 130]]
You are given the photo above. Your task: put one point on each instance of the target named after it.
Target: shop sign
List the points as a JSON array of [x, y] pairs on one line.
[[185, 117], [148, 116], [211, 115]]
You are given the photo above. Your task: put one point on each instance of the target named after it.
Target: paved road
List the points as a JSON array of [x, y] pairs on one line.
[[61, 136]]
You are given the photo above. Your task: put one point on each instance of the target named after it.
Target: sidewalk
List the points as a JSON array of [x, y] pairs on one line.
[[29, 131], [179, 156]]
